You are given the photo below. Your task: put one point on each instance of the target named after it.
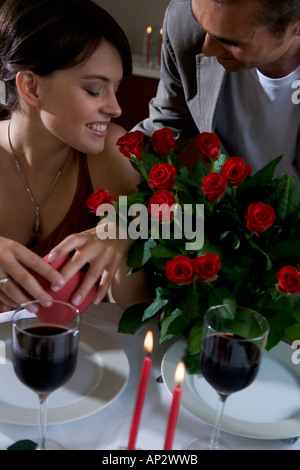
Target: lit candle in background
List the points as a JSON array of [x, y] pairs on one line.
[[149, 33], [148, 345], [173, 414], [160, 46]]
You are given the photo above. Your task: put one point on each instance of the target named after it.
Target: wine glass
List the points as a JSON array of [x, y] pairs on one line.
[[233, 340], [45, 340]]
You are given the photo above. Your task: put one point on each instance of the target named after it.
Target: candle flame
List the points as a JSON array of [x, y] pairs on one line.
[[148, 343], [161, 31], [179, 373], [149, 30]]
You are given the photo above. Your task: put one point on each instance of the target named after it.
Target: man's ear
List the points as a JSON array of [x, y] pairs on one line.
[[27, 85], [297, 26]]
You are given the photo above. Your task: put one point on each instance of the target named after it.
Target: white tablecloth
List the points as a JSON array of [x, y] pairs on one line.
[[108, 429]]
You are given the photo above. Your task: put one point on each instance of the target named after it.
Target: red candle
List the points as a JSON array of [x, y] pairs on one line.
[[173, 414], [148, 345], [160, 46], [149, 32]]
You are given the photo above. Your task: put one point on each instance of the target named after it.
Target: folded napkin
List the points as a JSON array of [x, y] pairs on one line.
[[65, 294]]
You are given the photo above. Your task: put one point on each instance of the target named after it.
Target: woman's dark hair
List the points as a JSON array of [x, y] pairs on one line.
[[48, 35]]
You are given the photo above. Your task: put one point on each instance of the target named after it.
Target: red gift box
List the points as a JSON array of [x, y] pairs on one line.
[[65, 294]]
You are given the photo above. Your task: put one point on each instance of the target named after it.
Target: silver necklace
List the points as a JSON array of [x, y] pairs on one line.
[[37, 207]]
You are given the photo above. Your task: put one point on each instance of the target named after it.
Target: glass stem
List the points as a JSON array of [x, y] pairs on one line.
[[214, 440], [42, 420]]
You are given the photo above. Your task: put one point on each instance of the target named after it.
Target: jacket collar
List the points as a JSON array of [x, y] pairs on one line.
[[210, 82]]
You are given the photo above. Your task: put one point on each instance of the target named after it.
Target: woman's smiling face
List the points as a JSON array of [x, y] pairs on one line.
[[76, 104]]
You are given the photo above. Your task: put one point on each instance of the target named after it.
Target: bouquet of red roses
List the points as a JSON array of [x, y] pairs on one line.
[[217, 235]]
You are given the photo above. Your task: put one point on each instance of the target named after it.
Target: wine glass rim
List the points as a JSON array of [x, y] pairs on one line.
[[23, 306], [265, 327]]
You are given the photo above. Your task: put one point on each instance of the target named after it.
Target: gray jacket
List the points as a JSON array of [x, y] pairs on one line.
[[190, 83]]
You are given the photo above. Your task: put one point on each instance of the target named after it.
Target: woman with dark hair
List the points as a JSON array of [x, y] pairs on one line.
[[61, 62]]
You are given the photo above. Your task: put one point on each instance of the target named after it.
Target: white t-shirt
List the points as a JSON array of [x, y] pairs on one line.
[[258, 119]]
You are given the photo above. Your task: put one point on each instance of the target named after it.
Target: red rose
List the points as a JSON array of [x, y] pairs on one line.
[[160, 204], [208, 144], [213, 186], [288, 280], [163, 140], [162, 176], [259, 217], [101, 196], [180, 270], [207, 267], [131, 144], [235, 170]]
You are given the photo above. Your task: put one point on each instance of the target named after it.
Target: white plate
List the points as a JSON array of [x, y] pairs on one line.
[[101, 374], [268, 409]]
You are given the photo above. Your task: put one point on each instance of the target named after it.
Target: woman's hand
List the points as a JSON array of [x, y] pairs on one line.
[[103, 257], [18, 264]]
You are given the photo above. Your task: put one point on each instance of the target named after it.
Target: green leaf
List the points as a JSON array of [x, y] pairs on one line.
[[259, 179], [289, 199], [134, 198], [131, 321], [287, 250], [164, 251], [172, 326], [195, 335], [259, 249], [292, 333], [192, 363], [232, 240], [158, 304], [191, 306], [221, 296], [26, 444], [140, 253], [154, 308], [217, 164], [277, 320], [184, 172], [266, 173], [149, 160], [285, 303], [273, 338], [199, 171]]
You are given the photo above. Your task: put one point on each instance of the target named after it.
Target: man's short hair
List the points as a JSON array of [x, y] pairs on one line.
[[275, 15]]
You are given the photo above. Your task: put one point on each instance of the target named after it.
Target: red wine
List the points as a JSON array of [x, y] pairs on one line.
[[228, 362], [45, 358]]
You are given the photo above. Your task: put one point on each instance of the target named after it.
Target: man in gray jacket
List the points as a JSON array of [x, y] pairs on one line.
[[232, 67]]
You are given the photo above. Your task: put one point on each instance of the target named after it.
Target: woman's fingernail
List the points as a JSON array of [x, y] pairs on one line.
[[59, 283], [47, 303], [97, 300], [32, 308], [52, 256], [77, 300]]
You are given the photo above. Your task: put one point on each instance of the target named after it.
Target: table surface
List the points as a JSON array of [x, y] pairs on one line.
[[108, 428]]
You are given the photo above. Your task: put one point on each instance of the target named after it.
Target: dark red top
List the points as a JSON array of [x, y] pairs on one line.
[[79, 216]]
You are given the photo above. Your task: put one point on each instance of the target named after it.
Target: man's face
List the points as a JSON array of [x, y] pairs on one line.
[[234, 39]]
